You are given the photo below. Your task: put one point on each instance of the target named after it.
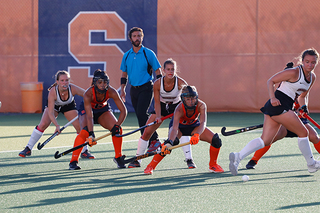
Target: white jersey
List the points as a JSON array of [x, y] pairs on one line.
[[172, 96], [294, 89], [60, 102]]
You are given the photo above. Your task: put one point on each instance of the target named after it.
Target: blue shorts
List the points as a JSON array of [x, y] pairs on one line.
[[96, 112], [186, 130]]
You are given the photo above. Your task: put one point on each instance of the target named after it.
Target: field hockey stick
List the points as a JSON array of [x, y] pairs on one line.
[[59, 155], [150, 124], [302, 113], [40, 146], [309, 118], [148, 154], [236, 131]]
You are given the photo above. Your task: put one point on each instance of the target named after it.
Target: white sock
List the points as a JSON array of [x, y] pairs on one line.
[[305, 149], [142, 147], [186, 149], [85, 148], [251, 147], [34, 138]]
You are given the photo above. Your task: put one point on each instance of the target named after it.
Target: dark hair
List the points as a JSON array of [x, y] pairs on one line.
[[289, 65], [134, 29], [189, 91], [99, 74], [311, 52]]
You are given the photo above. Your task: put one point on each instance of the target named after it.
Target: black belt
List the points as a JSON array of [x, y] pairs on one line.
[[136, 87]]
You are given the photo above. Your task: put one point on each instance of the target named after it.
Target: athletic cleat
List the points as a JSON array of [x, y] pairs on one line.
[[154, 145], [74, 166], [119, 162], [134, 164], [190, 163], [234, 162], [216, 169], [251, 164], [148, 170], [25, 152], [315, 167], [87, 155]]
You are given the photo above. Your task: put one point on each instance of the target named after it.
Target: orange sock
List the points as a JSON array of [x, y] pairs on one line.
[[317, 146], [213, 153], [117, 144], [80, 139], [155, 160], [259, 153]]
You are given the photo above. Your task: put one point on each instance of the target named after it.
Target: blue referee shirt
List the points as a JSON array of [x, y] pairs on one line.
[[136, 65]]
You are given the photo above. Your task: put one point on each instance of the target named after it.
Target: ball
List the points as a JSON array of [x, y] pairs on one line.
[[245, 178]]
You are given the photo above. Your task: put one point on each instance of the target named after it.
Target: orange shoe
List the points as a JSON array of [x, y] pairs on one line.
[[216, 169], [148, 170]]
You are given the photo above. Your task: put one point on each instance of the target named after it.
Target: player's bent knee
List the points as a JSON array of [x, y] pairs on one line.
[[216, 141]]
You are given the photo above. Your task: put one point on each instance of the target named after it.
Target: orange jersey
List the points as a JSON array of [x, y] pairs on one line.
[[95, 104], [185, 120]]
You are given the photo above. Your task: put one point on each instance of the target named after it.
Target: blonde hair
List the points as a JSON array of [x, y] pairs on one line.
[[57, 76]]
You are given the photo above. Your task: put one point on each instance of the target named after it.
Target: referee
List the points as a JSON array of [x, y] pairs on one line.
[[137, 67]]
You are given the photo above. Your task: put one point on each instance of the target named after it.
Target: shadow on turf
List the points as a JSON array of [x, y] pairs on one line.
[[4, 162], [299, 205], [120, 182]]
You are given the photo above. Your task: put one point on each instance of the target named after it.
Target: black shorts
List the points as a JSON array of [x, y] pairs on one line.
[[96, 112], [65, 108], [186, 130], [286, 105], [292, 134], [166, 109]]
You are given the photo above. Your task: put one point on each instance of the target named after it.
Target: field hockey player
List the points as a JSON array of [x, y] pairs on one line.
[[95, 109], [60, 100], [189, 119], [167, 91]]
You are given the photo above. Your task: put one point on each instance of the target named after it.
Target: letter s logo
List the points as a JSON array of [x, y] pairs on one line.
[[84, 51]]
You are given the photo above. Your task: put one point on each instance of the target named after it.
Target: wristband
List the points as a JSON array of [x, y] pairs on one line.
[[168, 141], [91, 134], [123, 80], [159, 76]]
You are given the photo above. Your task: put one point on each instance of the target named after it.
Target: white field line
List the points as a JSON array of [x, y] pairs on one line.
[[35, 147]]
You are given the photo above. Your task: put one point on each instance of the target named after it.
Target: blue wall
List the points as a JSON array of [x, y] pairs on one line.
[[54, 16]]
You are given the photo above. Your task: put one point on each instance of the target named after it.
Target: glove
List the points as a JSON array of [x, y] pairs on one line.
[[194, 139], [115, 130], [165, 151], [304, 109], [296, 106], [90, 139]]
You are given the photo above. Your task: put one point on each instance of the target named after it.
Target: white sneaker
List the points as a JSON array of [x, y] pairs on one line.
[[315, 167], [234, 158]]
